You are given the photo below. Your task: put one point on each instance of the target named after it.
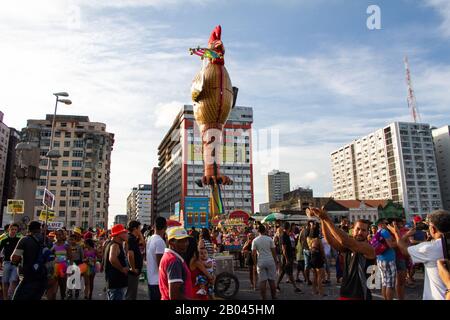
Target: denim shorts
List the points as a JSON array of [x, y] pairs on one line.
[[10, 274], [116, 294], [307, 256]]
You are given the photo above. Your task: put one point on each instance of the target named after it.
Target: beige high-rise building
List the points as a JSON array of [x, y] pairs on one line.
[[395, 162], [441, 139], [139, 203], [277, 185], [80, 178]]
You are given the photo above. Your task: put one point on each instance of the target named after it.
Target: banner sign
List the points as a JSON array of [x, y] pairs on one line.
[[15, 206]]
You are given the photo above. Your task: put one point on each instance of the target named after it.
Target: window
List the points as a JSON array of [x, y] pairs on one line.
[[74, 203], [66, 144], [87, 184], [62, 203], [53, 183], [75, 193], [67, 134], [87, 175], [66, 154], [76, 183], [88, 165], [57, 134], [99, 175], [54, 173], [56, 144], [65, 173], [78, 144], [77, 163], [99, 185], [73, 214], [62, 213], [76, 173], [77, 153], [62, 193], [65, 163], [86, 194], [99, 194], [98, 204], [85, 204]]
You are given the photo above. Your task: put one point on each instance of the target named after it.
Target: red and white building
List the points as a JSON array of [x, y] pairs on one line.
[[181, 162]]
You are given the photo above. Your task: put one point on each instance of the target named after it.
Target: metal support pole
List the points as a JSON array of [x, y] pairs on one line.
[[48, 167]]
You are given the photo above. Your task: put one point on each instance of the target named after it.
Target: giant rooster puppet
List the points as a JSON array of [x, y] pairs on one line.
[[213, 97]]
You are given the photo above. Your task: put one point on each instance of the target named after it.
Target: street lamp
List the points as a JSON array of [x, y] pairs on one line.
[[67, 184], [53, 154]]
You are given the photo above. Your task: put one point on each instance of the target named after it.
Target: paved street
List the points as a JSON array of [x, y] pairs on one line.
[[247, 293]]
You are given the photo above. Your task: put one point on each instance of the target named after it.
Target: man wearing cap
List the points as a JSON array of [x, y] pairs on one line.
[[116, 269], [174, 275]]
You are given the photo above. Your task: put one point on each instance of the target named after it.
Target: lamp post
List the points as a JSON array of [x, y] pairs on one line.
[[53, 154], [67, 184]]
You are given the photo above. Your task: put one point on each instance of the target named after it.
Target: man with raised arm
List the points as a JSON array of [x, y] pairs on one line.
[[358, 254]]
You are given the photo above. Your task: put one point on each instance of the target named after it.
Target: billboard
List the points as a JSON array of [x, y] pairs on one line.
[[196, 212]]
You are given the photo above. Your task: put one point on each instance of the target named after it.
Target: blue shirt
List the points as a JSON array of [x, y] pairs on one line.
[[389, 254]]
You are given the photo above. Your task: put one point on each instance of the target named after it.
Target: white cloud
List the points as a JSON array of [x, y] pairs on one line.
[[443, 8]]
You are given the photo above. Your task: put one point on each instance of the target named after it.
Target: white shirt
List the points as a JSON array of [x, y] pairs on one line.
[[263, 245], [428, 253], [155, 245], [326, 247]]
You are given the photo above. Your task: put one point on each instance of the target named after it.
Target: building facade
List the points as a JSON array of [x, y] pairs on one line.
[[139, 203], [121, 219], [181, 162], [441, 139], [154, 206], [277, 185], [4, 143], [80, 178], [396, 162]]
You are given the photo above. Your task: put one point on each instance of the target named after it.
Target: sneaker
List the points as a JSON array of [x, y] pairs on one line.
[[278, 289], [299, 281], [297, 290]]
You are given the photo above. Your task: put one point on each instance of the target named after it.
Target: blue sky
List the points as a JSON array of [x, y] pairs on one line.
[[312, 71]]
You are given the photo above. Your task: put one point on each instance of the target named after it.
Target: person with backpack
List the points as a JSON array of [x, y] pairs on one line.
[[32, 254], [384, 243]]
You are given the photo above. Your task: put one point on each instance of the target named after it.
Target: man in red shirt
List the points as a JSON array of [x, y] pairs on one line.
[[174, 275]]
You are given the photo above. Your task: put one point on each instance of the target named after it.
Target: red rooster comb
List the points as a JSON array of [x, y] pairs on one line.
[[215, 35]]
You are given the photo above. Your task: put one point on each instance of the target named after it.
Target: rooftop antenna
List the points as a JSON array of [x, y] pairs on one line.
[[411, 96]]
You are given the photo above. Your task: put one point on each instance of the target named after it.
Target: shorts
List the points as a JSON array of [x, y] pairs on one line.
[[388, 272], [300, 265], [10, 274], [401, 265], [267, 270], [307, 255], [288, 267]]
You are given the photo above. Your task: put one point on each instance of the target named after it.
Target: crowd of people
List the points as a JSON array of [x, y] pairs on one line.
[[179, 265]]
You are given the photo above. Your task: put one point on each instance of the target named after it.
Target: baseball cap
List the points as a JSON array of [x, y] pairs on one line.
[[177, 233]]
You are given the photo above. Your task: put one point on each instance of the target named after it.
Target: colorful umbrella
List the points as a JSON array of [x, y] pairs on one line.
[[274, 216]]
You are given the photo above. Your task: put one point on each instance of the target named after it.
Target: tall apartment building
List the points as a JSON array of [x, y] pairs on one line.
[[121, 219], [154, 212], [277, 185], [181, 162], [139, 203], [441, 139], [4, 142], [131, 205], [80, 178], [396, 162]]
